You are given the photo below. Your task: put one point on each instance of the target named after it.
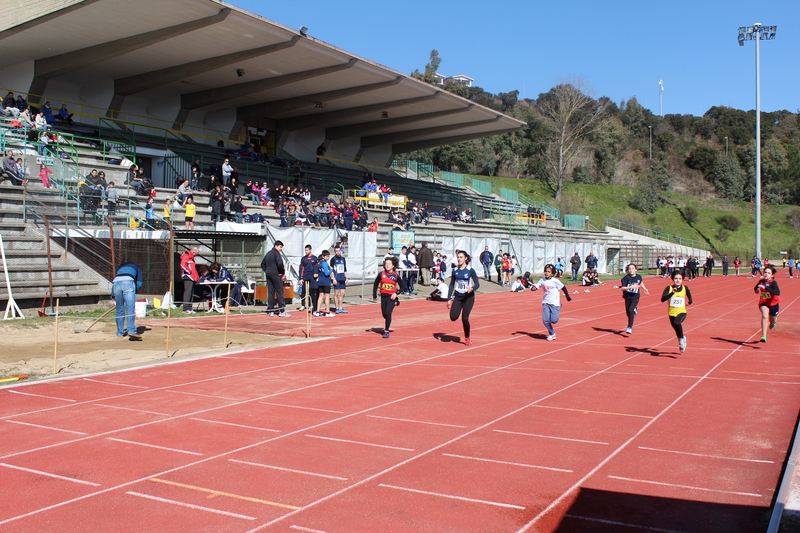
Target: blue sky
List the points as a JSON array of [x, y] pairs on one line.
[[621, 48]]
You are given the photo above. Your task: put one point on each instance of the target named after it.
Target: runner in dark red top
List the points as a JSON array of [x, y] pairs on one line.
[[769, 300], [387, 282]]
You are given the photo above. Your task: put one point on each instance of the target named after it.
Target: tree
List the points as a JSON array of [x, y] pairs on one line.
[[430, 68], [728, 178], [703, 158], [572, 118], [773, 165]]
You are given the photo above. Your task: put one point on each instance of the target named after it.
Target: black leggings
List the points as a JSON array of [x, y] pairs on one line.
[[387, 306], [677, 324], [462, 305], [630, 306]]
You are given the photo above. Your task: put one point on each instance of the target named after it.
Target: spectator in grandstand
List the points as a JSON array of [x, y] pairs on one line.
[[22, 104], [349, 214], [196, 174], [44, 175], [26, 119], [264, 195], [10, 105], [215, 200], [47, 111], [191, 213], [127, 282], [21, 170], [238, 209], [101, 183], [184, 192], [111, 198], [227, 171], [40, 123], [385, 192], [44, 142], [64, 115], [321, 151], [373, 226]]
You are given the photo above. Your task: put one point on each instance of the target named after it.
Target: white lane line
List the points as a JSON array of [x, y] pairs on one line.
[[707, 455], [287, 469], [152, 446], [203, 395], [48, 474], [452, 497], [46, 427], [131, 409], [40, 396], [190, 505], [118, 384], [685, 486], [623, 524], [301, 407], [506, 462], [362, 443], [549, 437], [416, 421], [306, 529], [235, 425]]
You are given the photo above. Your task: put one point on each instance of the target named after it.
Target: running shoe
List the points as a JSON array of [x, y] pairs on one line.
[[385, 334], [635, 310], [468, 341], [135, 337], [629, 331], [338, 311], [772, 326], [284, 314], [316, 313], [682, 344], [329, 314], [188, 312], [551, 337], [342, 311], [764, 338]]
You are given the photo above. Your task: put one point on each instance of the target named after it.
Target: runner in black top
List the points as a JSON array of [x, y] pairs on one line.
[[463, 283], [630, 286]]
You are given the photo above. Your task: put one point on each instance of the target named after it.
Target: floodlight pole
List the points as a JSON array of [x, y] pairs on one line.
[[758, 141], [757, 32], [726, 147]]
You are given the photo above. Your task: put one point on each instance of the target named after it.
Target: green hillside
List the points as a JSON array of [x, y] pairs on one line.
[[779, 229]]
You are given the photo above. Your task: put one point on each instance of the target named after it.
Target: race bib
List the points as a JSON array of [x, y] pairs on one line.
[[676, 301], [462, 285], [387, 286], [339, 268]]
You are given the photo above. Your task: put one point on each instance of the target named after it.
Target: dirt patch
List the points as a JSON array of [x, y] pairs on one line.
[[28, 349]]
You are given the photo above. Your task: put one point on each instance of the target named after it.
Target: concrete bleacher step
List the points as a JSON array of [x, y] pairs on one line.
[[18, 273], [62, 288]]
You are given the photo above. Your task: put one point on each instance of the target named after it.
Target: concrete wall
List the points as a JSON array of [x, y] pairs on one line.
[[675, 249]]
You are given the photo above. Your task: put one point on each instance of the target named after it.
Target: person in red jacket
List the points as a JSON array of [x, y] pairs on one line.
[[388, 282], [189, 276]]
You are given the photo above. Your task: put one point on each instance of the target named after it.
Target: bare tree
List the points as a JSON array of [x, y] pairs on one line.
[[572, 117]]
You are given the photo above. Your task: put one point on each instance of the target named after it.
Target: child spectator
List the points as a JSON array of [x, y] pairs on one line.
[[518, 285], [111, 198], [44, 175]]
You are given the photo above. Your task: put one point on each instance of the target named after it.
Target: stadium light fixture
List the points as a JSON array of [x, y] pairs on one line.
[[757, 32]]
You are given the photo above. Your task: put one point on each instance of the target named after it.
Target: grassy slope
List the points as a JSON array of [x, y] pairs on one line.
[[604, 202]]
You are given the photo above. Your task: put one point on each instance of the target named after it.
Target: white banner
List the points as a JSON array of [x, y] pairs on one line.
[[361, 253]]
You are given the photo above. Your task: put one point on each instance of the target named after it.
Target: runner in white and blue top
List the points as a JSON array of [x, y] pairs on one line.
[[463, 284]]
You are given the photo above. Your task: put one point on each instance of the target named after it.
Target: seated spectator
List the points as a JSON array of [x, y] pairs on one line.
[[264, 196], [185, 192], [439, 294], [587, 280], [22, 104], [10, 105], [44, 142], [64, 115], [47, 111], [527, 281], [40, 123], [373, 227]]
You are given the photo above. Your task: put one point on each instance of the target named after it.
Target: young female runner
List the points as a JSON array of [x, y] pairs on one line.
[[630, 286], [387, 281], [768, 300], [679, 297], [551, 300], [463, 283]]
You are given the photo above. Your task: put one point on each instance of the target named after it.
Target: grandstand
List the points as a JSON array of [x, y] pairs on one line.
[[206, 80]]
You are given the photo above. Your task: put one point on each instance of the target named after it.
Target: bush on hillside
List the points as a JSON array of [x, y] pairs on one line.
[[691, 214], [647, 200], [793, 219], [703, 158], [729, 222]]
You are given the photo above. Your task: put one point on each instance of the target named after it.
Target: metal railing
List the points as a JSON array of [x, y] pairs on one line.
[[647, 232]]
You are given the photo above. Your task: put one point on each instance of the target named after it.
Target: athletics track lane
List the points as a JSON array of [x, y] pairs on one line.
[[595, 431]]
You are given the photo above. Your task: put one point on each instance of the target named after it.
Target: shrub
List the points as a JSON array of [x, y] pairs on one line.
[[647, 200], [793, 219], [722, 235], [729, 222], [691, 214], [581, 174]]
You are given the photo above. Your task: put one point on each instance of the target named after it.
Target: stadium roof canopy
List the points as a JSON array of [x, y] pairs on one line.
[[209, 62]]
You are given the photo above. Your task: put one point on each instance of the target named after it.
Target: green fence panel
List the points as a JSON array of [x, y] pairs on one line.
[[453, 178], [483, 187], [509, 194], [575, 221]]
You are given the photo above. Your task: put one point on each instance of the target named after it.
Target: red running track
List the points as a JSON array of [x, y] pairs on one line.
[[596, 431]]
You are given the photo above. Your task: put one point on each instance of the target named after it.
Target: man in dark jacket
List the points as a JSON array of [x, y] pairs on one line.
[[273, 268], [425, 263], [486, 261], [10, 169], [126, 283], [575, 265]]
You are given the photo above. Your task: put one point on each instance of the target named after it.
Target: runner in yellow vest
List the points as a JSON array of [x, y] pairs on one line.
[[679, 297]]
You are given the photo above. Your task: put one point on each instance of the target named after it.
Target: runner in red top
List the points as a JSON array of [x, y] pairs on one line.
[[769, 300], [387, 281]]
